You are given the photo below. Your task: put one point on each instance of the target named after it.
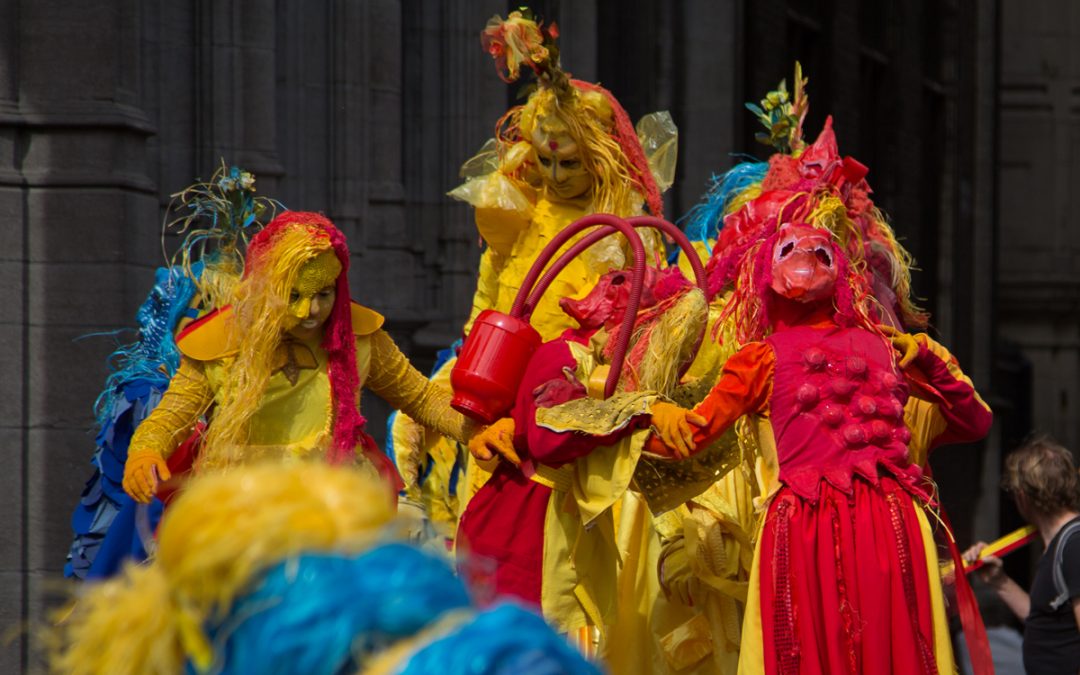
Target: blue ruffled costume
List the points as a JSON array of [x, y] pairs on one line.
[[107, 522]]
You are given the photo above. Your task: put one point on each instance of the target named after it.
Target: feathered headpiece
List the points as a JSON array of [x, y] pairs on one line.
[[804, 183], [216, 219], [219, 536], [610, 146]]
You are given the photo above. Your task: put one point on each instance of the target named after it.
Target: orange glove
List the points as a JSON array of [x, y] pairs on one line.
[[144, 471], [675, 427], [905, 343], [497, 439]]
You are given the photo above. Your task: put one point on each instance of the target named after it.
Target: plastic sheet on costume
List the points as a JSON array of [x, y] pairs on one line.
[[660, 140]]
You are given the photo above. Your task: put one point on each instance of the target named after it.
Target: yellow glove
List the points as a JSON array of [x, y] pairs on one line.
[[674, 426], [905, 343], [673, 571], [143, 472], [497, 439]]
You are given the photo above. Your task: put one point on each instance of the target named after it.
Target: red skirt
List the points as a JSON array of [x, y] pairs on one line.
[[844, 583]]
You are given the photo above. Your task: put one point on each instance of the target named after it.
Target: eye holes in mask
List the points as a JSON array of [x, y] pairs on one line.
[[823, 254]]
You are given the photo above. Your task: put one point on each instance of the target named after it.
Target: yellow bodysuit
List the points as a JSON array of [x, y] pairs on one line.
[[294, 420]]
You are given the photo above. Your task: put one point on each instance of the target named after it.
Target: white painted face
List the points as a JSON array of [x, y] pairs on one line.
[[558, 158]]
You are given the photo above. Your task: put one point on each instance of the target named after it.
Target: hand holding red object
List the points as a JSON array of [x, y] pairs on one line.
[[496, 439]]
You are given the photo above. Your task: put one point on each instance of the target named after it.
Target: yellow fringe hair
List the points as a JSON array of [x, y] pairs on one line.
[[587, 118], [261, 317]]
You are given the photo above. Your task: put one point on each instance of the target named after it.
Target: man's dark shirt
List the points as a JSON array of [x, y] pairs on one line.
[[1052, 637]]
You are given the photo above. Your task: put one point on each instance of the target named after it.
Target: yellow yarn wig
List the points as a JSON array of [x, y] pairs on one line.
[[222, 531]]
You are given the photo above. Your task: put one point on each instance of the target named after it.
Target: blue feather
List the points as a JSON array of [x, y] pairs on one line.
[[703, 221], [504, 640], [324, 613]]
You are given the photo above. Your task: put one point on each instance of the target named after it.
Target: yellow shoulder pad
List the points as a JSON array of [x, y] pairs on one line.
[[365, 321], [207, 339]]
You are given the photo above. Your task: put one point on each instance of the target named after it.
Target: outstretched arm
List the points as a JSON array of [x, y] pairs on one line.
[[406, 389], [187, 398], [743, 388]]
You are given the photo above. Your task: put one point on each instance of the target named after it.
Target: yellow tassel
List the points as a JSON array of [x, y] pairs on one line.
[[261, 316], [671, 341]]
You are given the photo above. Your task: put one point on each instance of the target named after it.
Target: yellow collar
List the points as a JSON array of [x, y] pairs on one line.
[[210, 338]]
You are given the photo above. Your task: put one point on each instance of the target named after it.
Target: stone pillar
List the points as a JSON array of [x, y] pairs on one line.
[[72, 175], [1039, 169]]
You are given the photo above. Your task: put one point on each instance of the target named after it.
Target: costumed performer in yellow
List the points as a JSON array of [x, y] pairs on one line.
[[279, 371], [568, 152]]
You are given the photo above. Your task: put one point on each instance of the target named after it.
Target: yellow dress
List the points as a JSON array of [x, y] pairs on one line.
[[711, 536], [294, 420]]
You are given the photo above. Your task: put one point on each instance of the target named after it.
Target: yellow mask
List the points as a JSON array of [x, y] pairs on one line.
[[316, 274]]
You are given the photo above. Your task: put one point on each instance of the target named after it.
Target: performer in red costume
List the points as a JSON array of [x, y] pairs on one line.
[[845, 574]]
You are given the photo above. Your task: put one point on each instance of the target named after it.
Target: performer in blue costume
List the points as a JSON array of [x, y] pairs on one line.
[[105, 518], [216, 217]]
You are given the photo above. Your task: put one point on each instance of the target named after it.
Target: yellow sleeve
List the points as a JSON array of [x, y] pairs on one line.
[[189, 396], [394, 379], [487, 284]]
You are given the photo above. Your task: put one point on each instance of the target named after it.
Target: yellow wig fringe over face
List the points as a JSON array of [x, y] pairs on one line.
[[221, 532], [588, 119], [262, 316]]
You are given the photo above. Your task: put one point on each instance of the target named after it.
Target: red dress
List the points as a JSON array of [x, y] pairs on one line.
[[843, 578], [501, 532]]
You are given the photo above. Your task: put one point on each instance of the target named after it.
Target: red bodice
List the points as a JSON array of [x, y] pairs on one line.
[[837, 408]]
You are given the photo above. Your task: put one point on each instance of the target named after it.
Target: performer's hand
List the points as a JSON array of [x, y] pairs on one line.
[[497, 439], [673, 571], [558, 391], [144, 471], [905, 343], [992, 572], [675, 426]]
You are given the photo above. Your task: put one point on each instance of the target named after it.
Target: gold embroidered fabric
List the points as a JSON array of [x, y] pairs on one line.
[[596, 418], [665, 483], [394, 379]]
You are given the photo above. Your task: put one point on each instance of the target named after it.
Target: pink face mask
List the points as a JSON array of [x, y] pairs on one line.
[[606, 302], [803, 264]]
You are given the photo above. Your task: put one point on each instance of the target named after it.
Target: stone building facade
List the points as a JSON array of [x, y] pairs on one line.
[[965, 110]]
